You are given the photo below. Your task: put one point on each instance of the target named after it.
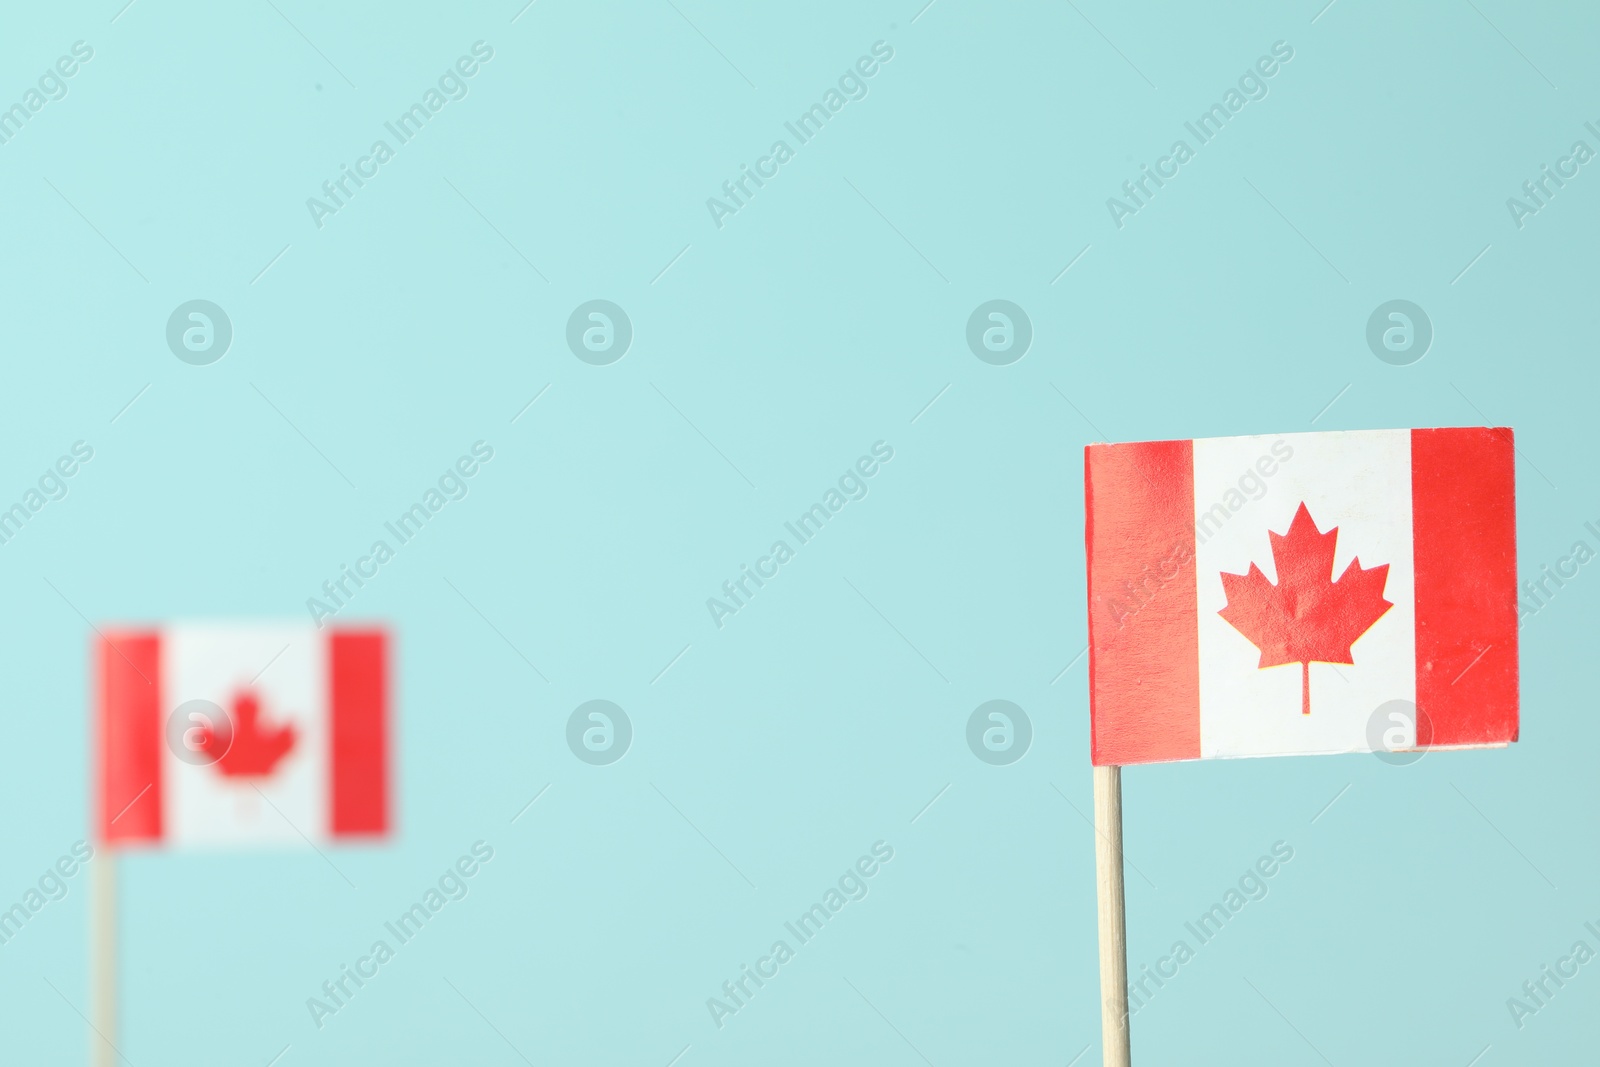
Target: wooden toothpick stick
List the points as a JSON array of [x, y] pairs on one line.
[[1113, 935]]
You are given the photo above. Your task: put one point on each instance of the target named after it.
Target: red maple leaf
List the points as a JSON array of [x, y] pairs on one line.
[[1306, 616], [255, 750]]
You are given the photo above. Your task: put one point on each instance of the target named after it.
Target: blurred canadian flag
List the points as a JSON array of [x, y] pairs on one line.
[[242, 734]]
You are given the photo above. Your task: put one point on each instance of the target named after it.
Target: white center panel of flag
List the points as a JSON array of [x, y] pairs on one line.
[[273, 799], [1359, 482]]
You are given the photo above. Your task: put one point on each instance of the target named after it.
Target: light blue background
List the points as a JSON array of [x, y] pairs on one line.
[[818, 320]]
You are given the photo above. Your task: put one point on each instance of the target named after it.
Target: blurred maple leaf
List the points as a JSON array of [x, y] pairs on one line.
[[1307, 616], [255, 750]]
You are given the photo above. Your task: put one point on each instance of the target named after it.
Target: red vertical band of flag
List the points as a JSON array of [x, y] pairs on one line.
[[130, 727], [1144, 639], [1464, 529], [358, 692]]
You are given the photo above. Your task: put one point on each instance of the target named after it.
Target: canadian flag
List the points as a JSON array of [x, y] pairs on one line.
[[242, 734], [1276, 595]]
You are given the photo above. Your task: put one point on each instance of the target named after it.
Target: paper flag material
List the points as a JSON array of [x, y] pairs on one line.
[[242, 734], [1260, 596]]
